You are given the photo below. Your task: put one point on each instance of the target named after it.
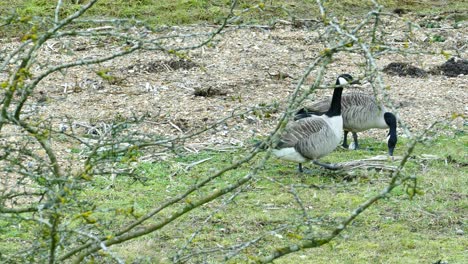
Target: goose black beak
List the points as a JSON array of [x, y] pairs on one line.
[[356, 82], [390, 152]]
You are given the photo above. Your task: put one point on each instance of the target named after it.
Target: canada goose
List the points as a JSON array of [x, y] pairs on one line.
[[313, 137], [360, 112]]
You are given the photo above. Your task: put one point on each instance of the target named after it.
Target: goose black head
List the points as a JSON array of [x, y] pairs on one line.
[[392, 138], [345, 79]]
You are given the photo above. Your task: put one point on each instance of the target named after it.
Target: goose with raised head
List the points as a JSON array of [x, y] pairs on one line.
[[360, 112], [313, 137]]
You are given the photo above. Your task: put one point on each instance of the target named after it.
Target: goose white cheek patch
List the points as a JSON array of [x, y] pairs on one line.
[[342, 81]]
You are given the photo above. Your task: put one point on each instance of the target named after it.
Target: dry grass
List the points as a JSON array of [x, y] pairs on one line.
[[235, 73]]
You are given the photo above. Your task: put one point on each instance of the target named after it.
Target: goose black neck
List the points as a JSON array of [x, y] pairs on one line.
[[391, 121], [335, 106], [392, 133]]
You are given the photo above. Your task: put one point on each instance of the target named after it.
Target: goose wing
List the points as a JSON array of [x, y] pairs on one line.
[[361, 112], [312, 137], [319, 107], [301, 130], [357, 99], [347, 100]]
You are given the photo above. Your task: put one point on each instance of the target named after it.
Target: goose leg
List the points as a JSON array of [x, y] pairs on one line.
[[345, 139], [303, 170], [356, 145], [326, 166]]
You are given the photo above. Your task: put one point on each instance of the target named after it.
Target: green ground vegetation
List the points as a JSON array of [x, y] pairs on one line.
[[177, 12], [399, 229], [428, 227]]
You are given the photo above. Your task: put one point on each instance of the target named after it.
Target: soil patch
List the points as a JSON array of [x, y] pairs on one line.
[[404, 69], [209, 91], [244, 68], [159, 66], [452, 68]]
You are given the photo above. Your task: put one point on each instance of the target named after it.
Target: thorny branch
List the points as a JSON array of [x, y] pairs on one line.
[[18, 89], [397, 179], [54, 188], [178, 257]]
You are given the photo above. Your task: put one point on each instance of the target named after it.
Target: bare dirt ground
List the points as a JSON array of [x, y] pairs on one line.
[[239, 71]]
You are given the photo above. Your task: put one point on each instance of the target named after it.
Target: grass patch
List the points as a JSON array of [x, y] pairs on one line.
[[422, 229], [398, 229], [178, 12]]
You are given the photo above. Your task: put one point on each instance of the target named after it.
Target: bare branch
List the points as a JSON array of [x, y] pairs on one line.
[[396, 180]]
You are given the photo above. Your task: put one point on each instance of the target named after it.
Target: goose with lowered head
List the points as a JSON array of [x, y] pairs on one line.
[[360, 112]]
